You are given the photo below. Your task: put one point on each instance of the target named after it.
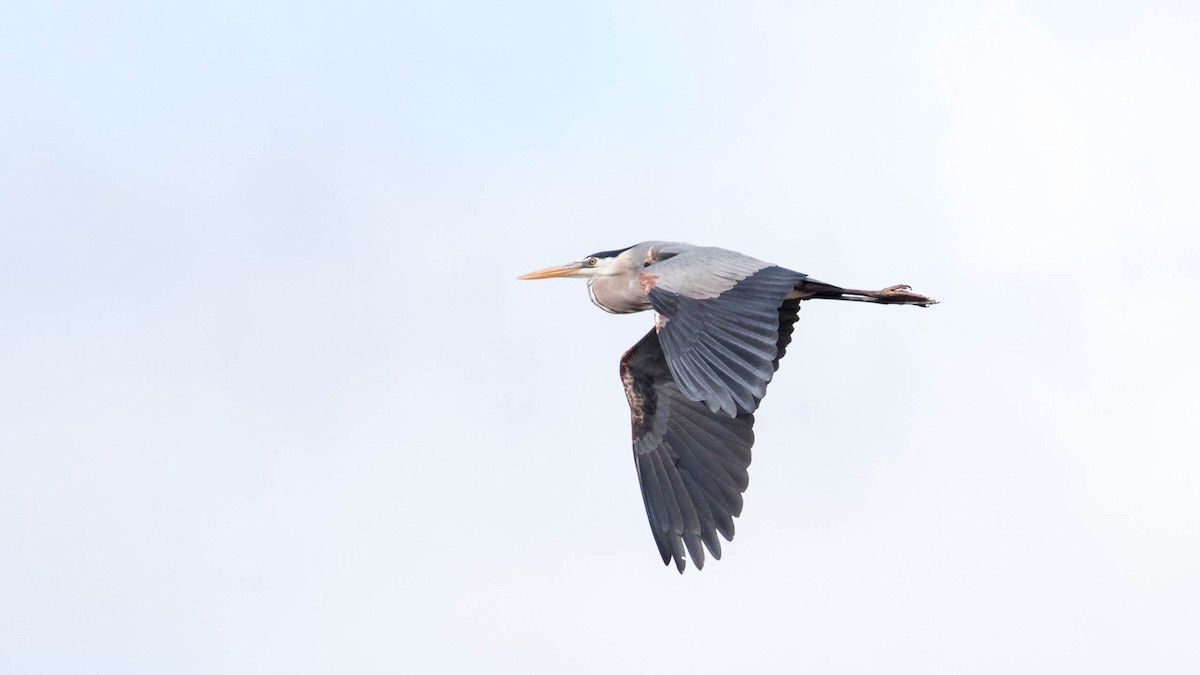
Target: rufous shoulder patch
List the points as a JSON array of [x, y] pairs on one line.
[[647, 281]]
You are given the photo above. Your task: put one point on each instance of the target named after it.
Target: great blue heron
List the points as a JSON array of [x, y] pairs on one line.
[[722, 322]]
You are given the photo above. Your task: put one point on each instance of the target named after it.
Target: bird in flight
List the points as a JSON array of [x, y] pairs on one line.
[[723, 320]]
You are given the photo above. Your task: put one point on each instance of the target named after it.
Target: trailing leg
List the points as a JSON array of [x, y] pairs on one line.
[[810, 289]]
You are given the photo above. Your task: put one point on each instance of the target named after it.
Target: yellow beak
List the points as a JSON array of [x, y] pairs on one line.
[[550, 272]]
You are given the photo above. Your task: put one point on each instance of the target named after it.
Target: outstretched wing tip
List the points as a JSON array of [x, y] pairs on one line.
[[691, 461]]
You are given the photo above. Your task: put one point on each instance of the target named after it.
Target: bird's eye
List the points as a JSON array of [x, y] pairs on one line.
[[592, 262]]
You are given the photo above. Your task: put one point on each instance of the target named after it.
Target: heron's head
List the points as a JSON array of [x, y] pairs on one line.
[[602, 264]]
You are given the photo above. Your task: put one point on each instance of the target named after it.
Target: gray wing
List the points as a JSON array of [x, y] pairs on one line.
[[691, 462], [723, 318]]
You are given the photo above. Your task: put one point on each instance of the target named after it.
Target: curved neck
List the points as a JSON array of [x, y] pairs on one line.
[[619, 294]]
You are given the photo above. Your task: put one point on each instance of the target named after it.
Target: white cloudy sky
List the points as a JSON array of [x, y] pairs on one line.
[[271, 399]]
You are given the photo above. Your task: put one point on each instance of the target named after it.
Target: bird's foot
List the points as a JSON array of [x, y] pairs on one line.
[[901, 294]]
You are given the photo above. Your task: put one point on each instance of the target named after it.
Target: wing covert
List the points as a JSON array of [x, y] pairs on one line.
[[723, 349]]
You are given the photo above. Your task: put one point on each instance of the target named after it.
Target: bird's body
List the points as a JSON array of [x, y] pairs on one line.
[[723, 322], [623, 287]]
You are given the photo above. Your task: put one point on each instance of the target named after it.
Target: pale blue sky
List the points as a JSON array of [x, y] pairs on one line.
[[271, 399]]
